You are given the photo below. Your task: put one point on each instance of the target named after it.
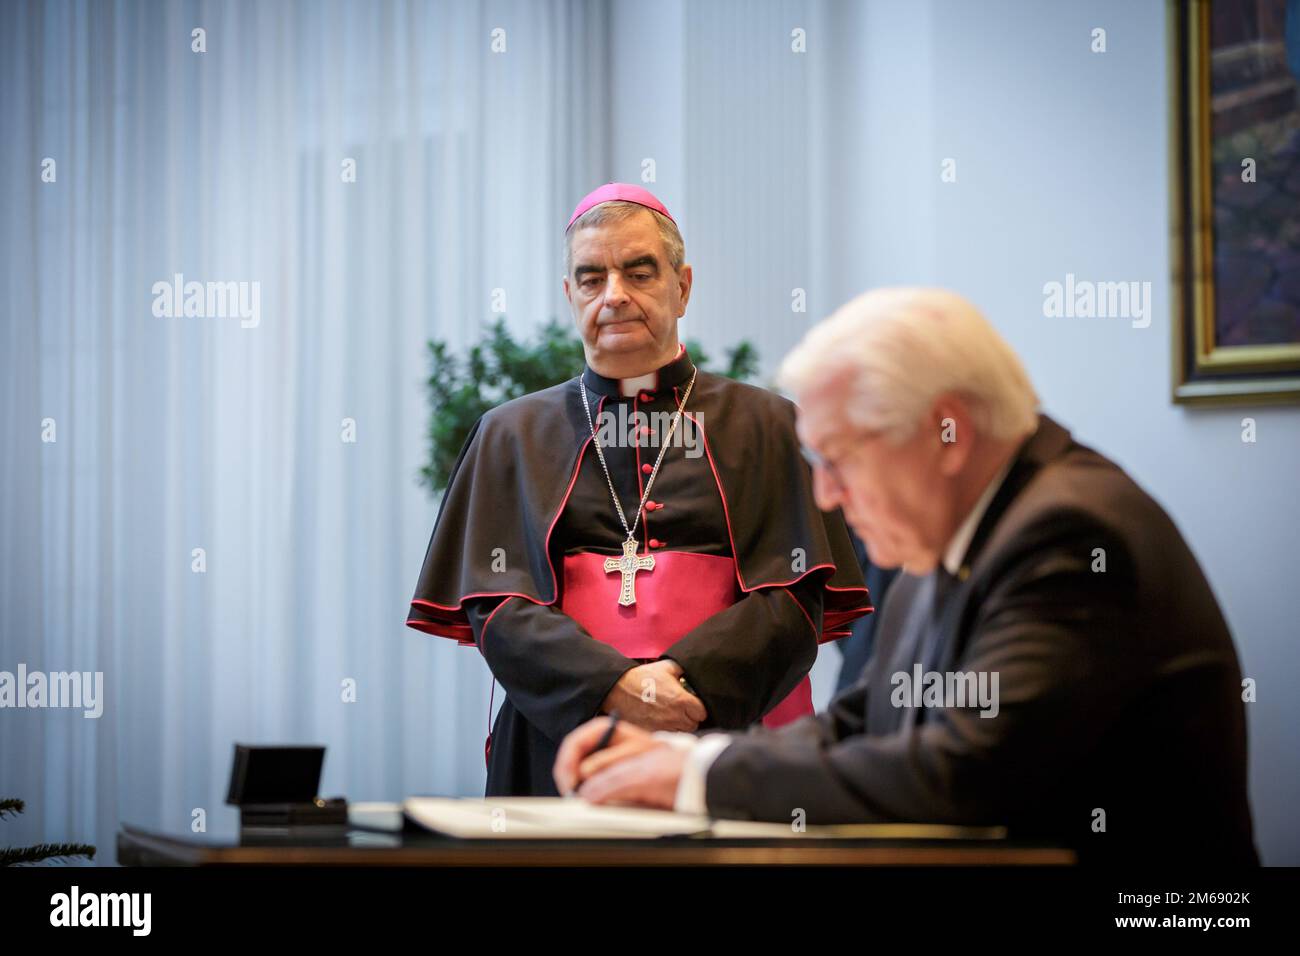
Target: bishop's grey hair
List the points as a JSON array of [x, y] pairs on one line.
[[616, 211]]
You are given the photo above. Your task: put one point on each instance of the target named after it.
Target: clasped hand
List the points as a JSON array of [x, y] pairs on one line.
[[651, 696]]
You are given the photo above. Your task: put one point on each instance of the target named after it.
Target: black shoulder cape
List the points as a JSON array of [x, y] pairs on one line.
[[514, 474]]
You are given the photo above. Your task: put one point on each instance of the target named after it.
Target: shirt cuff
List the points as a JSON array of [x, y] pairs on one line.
[[700, 754]]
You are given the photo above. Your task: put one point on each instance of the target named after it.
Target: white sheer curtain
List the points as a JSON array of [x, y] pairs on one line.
[[173, 434]]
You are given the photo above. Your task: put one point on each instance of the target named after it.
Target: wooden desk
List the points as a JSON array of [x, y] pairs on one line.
[[350, 846]]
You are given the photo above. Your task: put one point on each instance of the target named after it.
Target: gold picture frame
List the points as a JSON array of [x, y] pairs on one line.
[[1206, 369]]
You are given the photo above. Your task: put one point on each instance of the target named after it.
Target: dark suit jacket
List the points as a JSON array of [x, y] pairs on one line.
[[1119, 690]]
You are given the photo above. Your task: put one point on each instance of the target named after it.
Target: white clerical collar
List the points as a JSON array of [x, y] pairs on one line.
[[961, 539], [649, 382], [630, 386]]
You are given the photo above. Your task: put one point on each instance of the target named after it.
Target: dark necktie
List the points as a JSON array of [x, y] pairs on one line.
[[943, 588], [932, 643]]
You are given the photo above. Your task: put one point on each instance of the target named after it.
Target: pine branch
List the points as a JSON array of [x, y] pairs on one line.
[[18, 855]]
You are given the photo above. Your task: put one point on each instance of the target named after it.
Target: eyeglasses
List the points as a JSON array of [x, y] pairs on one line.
[[832, 466], [815, 461]]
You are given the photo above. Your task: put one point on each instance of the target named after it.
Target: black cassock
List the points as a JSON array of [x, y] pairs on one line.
[[749, 575]]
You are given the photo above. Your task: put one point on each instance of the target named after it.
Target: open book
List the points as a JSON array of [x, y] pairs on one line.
[[572, 818]]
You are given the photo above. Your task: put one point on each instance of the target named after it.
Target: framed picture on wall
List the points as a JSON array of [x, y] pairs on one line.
[[1235, 202]]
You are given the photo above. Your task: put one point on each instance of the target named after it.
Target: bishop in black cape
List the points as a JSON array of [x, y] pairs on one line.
[[750, 576]]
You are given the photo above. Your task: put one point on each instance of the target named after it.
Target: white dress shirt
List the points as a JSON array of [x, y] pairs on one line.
[[702, 751]]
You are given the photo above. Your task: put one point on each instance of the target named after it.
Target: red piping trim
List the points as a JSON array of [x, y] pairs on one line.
[[726, 513], [555, 587], [477, 594], [573, 479], [460, 633], [731, 536], [815, 567], [487, 747], [483, 633], [816, 633], [455, 629]]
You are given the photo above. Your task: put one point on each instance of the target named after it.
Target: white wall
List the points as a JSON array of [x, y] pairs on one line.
[[823, 172], [816, 171], [1064, 167], [179, 433]]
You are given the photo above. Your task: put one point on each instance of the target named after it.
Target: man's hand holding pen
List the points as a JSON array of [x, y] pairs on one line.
[[611, 761]]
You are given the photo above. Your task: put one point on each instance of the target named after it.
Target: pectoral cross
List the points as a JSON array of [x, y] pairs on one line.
[[628, 566]]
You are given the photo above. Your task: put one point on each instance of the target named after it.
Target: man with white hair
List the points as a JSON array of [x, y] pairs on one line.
[[1051, 659]]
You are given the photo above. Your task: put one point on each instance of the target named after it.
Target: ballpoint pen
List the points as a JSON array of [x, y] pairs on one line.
[[603, 742]]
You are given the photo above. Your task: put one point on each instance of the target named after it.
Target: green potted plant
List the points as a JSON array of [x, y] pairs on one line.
[[500, 368], [16, 855]]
